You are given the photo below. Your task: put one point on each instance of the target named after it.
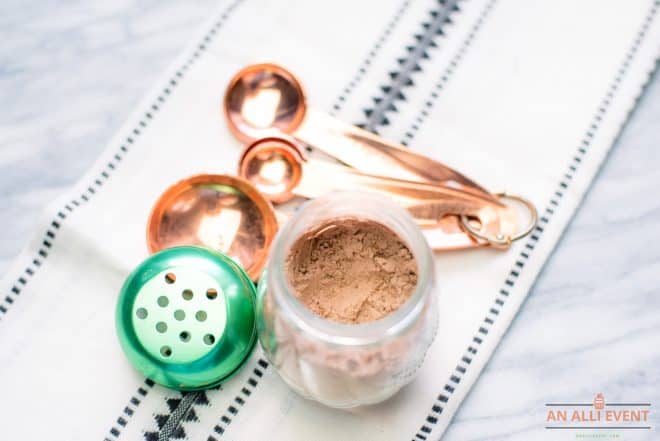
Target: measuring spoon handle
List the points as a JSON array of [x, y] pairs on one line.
[[374, 155], [427, 201]]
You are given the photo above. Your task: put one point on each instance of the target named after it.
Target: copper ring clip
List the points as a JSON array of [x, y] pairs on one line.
[[502, 240]]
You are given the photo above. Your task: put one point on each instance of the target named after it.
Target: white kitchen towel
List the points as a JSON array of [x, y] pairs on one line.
[[522, 95]]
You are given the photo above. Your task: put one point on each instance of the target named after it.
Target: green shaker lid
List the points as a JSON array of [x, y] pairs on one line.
[[186, 317]]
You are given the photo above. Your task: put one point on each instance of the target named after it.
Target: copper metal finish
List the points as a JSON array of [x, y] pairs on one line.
[[274, 166], [263, 97], [447, 234], [220, 212], [502, 239], [277, 167]]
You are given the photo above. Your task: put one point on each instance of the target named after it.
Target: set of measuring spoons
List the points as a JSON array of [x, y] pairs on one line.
[[265, 107]]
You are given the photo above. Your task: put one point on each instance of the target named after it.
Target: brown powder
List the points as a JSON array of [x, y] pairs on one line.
[[351, 271]]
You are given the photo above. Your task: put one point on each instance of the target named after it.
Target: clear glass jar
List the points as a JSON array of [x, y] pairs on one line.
[[346, 365]]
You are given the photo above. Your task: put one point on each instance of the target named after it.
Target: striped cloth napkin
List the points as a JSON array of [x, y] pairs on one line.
[[521, 95]]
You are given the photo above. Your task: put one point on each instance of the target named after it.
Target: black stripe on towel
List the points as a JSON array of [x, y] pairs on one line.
[[499, 301], [239, 400], [432, 28], [129, 410]]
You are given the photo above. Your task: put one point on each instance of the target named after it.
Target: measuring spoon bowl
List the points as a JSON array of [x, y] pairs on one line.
[[263, 97], [220, 212], [274, 166]]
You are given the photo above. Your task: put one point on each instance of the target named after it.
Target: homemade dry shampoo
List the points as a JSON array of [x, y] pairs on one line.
[[346, 310], [351, 270]]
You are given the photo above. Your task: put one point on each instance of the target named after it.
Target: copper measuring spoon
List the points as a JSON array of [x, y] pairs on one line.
[[219, 212], [278, 168], [262, 97]]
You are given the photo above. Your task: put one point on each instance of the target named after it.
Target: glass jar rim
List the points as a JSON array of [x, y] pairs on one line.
[[352, 206]]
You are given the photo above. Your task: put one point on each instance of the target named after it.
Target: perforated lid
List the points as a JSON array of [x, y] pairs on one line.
[[186, 317]]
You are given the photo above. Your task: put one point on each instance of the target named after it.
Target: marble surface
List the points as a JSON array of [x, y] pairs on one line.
[[71, 72]]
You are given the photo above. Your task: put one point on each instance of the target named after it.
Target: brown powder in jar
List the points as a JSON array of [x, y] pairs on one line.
[[351, 270]]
